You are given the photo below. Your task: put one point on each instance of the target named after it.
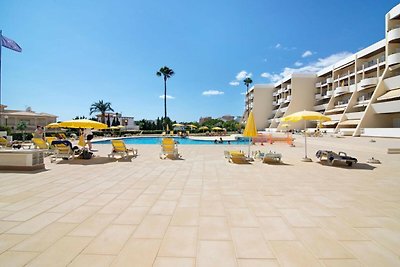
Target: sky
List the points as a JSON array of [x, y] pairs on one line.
[[76, 52]]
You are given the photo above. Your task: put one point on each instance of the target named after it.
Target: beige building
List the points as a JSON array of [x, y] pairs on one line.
[[259, 100], [11, 118], [361, 93]]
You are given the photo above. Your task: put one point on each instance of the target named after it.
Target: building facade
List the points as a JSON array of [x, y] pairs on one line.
[[11, 118], [361, 93]]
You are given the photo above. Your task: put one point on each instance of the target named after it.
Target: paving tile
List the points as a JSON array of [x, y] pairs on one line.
[[93, 225], [185, 216], [152, 226], [371, 254], [69, 205], [342, 263], [16, 258], [80, 214], [215, 254], [62, 252], [249, 243], [386, 237], [43, 239], [275, 228], [6, 225], [258, 263], [189, 201], [132, 215], [88, 260], [9, 240], [293, 253], [211, 208], [174, 262], [321, 245], [35, 224], [101, 200], [145, 200], [138, 252], [111, 240], [339, 229], [28, 213], [241, 218], [297, 218], [179, 241], [214, 228], [163, 207], [263, 209]]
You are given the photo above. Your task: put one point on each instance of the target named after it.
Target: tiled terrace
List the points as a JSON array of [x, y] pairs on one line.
[[204, 211]]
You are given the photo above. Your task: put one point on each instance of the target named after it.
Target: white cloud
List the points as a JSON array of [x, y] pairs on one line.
[[273, 77], [234, 83], [278, 45], [168, 97], [244, 93], [212, 92], [298, 64], [313, 67], [307, 53], [243, 75]]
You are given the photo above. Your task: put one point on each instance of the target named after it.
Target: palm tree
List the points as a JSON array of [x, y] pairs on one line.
[[101, 107], [166, 73], [247, 82]]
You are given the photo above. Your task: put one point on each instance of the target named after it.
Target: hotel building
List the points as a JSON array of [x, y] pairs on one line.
[[361, 93]]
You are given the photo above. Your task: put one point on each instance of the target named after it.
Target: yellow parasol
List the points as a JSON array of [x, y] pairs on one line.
[[306, 116], [192, 126], [178, 125], [250, 130], [53, 125], [216, 129], [83, 124]]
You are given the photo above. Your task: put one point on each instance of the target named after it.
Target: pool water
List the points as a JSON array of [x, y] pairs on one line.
[[179, 140]]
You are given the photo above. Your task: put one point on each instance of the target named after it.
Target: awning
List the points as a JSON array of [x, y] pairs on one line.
[[329, 123], [389, 95], [334, 110], [350, 122]]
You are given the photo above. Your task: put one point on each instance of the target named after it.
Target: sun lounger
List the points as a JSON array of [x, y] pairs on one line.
[[40, 143], [332, 157], [169, 149], [119, 148], [271, 157], [63, 150], [237, 157], [50, 139]]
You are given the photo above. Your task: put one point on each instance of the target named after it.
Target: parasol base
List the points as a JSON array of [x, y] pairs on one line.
[[306, 160]]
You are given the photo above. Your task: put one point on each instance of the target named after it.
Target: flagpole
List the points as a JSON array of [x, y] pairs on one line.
[[1, 110]]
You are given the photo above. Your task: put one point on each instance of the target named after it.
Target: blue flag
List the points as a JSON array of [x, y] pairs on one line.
[[10, 44]]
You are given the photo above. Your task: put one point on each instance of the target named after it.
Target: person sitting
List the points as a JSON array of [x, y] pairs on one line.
[[38, 132], [89, 136]]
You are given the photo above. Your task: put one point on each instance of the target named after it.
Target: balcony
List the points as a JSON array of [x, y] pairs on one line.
[[288, 98], [341, 90], [393, 35], [368, 82], [352, 88], [274, 103], [387, 107], [275, 94], [283, 110], [321, 107], [393, 59], [341, 104], [329, 93], [329, 80], [318, 85], [392, 82], [318, 96], [280, 101], [354, 115]]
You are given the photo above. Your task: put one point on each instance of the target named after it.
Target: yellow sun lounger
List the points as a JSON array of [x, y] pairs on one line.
[[169, 149], [119, 148], [40, 143], [237, 157], [62, 149]]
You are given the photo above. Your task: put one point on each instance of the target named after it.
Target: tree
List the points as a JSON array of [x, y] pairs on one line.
[[21, 126], [166, 73], [247, 82], [101, 107]]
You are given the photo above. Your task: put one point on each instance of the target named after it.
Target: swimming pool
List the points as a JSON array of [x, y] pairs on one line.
[[157, 141]]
